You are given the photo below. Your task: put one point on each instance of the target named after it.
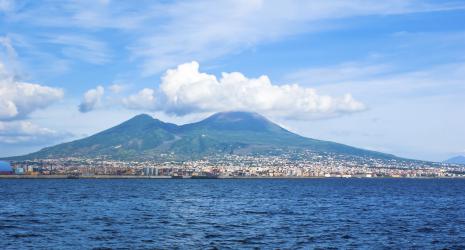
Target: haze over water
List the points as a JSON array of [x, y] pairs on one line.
[[234, 213]]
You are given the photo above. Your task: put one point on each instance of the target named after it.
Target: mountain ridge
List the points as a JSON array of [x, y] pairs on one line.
[[460, 159], [234, 132]]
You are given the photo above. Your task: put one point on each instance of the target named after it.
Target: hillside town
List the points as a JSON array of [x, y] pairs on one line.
[[304, 165]]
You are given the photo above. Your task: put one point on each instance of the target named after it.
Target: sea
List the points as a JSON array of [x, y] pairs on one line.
[[232, 214]]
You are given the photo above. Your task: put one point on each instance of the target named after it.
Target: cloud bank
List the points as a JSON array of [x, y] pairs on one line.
[[18, 99], [116, 88], [24, 131], [144, 99], [185, 90], [92, 98]]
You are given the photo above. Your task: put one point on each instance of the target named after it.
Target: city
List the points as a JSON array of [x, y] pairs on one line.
[[232, 124], [305, 164]]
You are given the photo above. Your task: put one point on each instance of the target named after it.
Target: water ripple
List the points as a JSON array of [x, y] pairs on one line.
[[232, 214]]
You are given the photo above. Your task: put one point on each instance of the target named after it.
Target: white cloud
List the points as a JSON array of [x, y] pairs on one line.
[[186, 90], [18, 99], [7, 109], [92, 98], [116, 88], [145, 99], [15, 132], [412, 107]]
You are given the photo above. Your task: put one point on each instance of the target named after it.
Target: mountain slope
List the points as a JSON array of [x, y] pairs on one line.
[[251, 130], [126, 139], [456, 160], [144, 138]]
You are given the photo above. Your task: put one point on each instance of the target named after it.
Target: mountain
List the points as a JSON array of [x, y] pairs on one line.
[[146, 138], [456, 160]]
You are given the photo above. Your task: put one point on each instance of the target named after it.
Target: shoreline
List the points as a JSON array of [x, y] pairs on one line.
[[42, 177]]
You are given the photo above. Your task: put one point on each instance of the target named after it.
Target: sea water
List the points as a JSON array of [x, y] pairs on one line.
[[233, 213]]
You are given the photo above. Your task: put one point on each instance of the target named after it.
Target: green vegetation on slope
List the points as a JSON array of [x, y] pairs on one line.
[[143, 137]]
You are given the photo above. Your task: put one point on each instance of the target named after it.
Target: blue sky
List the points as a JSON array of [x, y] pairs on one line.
[[386, 76]]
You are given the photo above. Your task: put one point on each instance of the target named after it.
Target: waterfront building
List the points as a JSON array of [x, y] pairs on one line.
[[30, 169], [19, 170], [149, 171], [146, 171]]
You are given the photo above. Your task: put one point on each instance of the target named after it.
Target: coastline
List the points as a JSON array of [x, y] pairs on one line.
[[42, 177]]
